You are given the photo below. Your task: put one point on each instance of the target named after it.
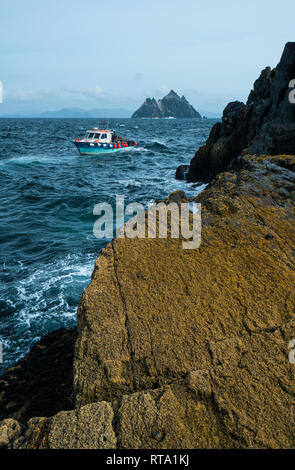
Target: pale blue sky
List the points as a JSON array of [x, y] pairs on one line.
[[92, 53]]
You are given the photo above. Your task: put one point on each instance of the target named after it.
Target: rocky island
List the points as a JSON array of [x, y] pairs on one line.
[[184, 348], [172, 105]]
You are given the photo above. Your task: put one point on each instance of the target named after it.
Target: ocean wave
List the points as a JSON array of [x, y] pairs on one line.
[[36, 159], [48, 193], [43, 300], [140, 149], [159, 147]]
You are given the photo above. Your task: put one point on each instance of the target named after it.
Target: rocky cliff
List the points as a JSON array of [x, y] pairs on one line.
[[264, 125], [171, 105], [188, 348]]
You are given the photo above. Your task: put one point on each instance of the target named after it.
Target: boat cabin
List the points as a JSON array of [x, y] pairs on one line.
[[102, 136]]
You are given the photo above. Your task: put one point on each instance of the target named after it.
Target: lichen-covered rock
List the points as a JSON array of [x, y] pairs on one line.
[[152, 308], [90, 427], [265, 125], [243, 399], [189, 348], [222, 315], [10, 430]]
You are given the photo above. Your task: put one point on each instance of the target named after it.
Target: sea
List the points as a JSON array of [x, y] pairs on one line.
[[47, 196]]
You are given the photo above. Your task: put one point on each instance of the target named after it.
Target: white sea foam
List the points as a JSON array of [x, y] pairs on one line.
[[31, 159], [42, 298], [158, 141]]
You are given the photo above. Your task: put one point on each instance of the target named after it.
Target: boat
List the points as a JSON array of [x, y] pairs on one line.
[[101, 141]]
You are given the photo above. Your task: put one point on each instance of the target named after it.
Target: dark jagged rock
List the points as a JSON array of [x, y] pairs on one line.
[[40, 384], [265, 125], [226, 140], [172, 105], [181, 172]]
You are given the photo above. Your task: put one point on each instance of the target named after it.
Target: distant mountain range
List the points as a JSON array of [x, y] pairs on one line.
[[78, 113], [172, 105]]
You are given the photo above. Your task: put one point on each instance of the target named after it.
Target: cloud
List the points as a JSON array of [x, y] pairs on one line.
[[98, 89], [22, 95], [61, 93], [32, 101], [138, 76]]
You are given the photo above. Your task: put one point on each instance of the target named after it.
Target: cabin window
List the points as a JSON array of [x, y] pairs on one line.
[[103, 136], [96, 136], [90, 136]]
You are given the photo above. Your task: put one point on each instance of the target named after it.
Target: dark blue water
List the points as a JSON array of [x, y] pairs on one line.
[[47, 197]]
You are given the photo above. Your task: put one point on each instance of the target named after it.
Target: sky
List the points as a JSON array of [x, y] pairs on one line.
[[113, 54]]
